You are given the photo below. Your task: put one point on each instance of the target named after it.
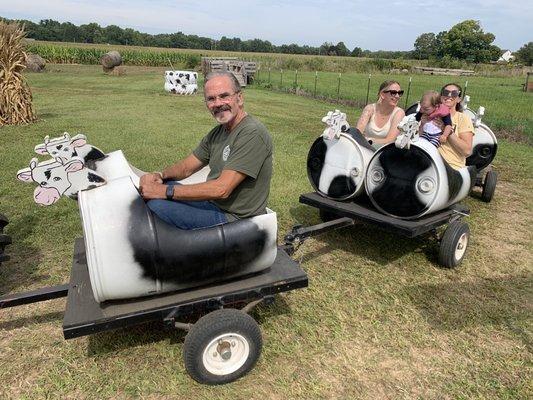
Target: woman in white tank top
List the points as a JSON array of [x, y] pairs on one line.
[[379, 121]]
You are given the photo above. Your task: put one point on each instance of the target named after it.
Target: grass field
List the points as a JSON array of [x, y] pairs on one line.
[[379, 319]]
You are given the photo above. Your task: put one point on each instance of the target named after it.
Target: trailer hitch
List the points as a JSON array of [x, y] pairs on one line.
[[298, 234]]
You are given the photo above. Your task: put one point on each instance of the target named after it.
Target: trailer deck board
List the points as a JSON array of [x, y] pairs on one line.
[[83, 315], [363, 210]]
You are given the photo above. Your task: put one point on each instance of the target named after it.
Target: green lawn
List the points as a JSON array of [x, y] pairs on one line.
[[379, 320]]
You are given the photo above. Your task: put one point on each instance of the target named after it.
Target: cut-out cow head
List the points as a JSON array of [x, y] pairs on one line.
[[336, 123], [66, 148], [408, 128], [56, 178]]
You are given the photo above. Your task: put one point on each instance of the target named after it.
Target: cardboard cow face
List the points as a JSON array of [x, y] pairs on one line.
[[336, 123], [56, 178], [66, 148]]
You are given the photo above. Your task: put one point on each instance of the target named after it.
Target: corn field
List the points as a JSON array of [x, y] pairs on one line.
[[90, 55]]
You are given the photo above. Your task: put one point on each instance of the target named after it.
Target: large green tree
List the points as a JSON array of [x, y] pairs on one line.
[[525, 54], [341, 49], [425, 46], [467, 41]]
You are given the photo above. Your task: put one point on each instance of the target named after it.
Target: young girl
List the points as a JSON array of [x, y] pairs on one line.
[[434, 117]]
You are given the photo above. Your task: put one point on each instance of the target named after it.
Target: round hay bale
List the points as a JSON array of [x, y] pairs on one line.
[[118, 71], [35, 63], [111, 59]]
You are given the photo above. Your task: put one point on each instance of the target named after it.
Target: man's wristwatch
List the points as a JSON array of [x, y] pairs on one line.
[[170, 192]]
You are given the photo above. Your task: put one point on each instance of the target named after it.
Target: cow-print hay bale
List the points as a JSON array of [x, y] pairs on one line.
[[110, 60], [35, 63], [15, 94]]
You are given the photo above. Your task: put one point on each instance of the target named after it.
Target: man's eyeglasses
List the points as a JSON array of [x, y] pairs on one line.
[[398, 93], [224, 98], [450, 93]]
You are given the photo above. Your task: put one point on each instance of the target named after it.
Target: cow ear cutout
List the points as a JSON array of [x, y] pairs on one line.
[[41, 149], [74, 165], [78, 142], [24, 175]]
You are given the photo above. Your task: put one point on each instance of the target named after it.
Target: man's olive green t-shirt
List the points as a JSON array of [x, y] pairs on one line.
[[246, 149]]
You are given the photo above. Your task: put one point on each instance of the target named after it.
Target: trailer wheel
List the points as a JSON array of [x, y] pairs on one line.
[[489, 186], [453, 244], [222, 346]]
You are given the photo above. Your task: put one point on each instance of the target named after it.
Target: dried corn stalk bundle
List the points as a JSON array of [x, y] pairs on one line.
[[15, 94]]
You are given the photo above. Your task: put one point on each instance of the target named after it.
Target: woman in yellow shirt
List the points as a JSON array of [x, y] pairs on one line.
[[458, 145]]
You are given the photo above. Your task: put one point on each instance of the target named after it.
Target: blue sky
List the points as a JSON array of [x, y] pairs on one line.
[[373, 25]]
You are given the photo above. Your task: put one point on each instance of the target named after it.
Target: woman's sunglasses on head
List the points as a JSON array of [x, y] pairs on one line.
[[450, 93], [398, 93]]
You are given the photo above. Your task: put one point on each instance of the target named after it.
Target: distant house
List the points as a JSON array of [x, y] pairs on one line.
[[506, 57]]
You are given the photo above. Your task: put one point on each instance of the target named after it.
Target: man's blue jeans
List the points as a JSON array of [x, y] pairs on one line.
[[188, 214]]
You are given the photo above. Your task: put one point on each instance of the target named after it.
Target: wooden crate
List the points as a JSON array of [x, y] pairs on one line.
[[244, 71]]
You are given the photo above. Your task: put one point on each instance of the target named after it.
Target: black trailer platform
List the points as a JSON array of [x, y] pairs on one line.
[[364, 211], [338, 214], [83, 315]]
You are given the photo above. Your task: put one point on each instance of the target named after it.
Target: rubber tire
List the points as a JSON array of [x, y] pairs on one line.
[[449, 242], [326, 216], [489, 186], [209, 327]]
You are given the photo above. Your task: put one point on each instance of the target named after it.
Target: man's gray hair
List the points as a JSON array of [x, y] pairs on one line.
[[234, 82]]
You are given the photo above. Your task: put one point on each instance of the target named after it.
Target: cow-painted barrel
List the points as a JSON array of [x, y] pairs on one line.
[[336, 167], [410, 183], [181, 82], [484, 147], [132, 253]]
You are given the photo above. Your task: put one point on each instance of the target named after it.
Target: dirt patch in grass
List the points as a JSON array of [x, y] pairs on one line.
[[515, 134], [510, 224]]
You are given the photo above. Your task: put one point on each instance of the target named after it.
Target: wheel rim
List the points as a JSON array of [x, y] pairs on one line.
[[461, 246], [225, 354]]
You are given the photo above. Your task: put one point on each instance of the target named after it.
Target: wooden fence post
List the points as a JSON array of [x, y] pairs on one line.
[[316, 78]]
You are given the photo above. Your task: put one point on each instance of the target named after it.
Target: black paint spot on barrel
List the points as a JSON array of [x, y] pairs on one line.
[[341, 186], [315, 161], [455, 180], [194, 257], [397, 194], [482, 155]]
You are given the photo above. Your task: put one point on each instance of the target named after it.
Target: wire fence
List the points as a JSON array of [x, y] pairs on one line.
[[507, 106]]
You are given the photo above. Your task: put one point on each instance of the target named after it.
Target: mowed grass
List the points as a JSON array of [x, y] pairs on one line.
[[379, 320]]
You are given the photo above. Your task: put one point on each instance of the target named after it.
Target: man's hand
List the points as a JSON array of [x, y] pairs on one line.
[[153, 190], [154, 177]]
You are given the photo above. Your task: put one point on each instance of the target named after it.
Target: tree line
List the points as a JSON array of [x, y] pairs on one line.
[[51, 30], [465, 41]]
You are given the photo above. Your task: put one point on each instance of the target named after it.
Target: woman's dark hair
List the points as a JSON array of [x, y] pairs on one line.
[[458, 106]]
